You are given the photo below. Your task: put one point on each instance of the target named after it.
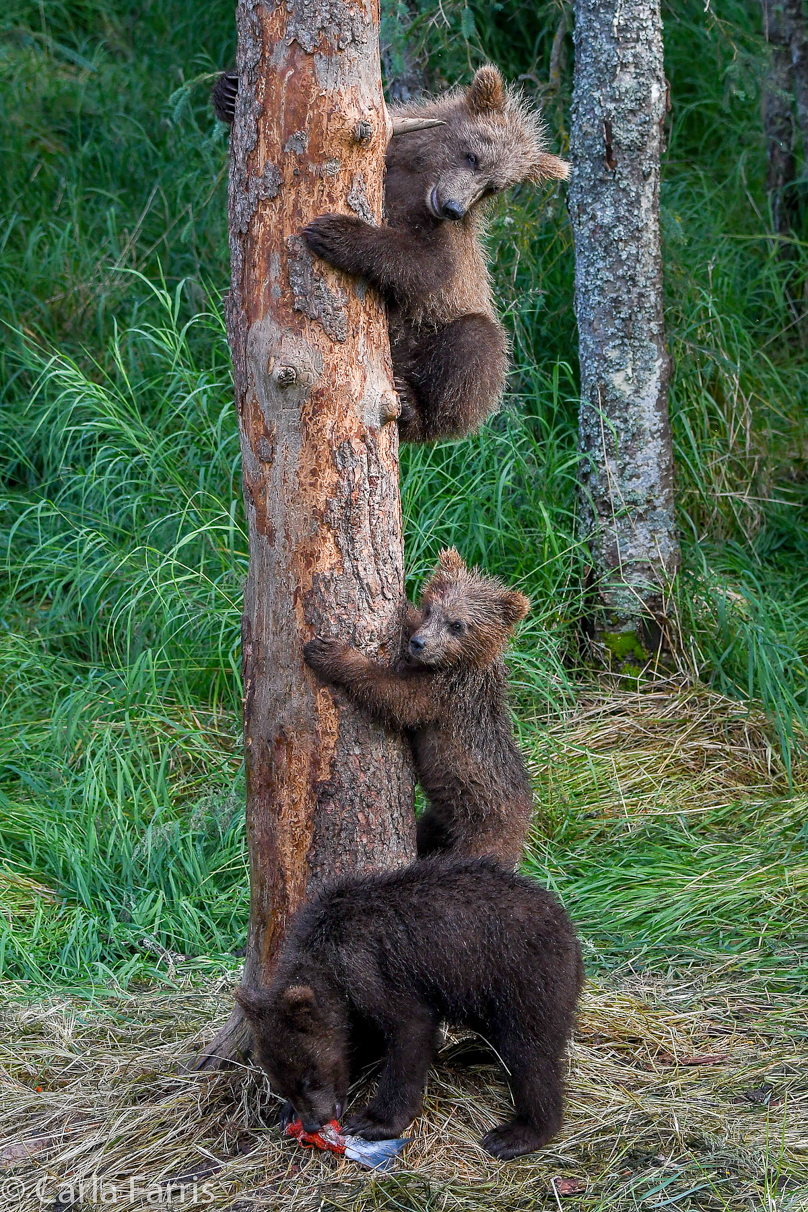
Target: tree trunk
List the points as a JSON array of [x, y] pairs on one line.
[[778, 114], [798, 42], [328, 790], [627, 513], [404, 74]]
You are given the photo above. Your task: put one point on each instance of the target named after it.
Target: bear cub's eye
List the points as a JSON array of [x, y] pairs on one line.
[[472, 159], [457, 628]]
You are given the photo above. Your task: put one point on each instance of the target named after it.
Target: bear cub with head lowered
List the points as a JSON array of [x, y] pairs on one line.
[[392, 956], [450, 695], [449, 349]]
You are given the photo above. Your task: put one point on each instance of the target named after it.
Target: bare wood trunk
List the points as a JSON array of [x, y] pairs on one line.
[[627, 508], [778, 114], [328, 790]]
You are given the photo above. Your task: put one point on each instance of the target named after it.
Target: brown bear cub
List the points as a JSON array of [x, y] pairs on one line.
[[451, 695], [393, 955], [449, 349]]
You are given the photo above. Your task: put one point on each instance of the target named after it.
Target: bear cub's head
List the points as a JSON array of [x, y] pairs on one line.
[[466, 617], [301, 1044], [490, 140]]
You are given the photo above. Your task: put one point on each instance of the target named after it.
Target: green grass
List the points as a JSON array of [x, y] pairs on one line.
[[123, 552], [666, 892]]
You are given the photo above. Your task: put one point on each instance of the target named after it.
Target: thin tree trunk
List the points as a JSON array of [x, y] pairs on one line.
[[627, 513], [404, 74], [328, 790], [778, 114], [798, 42]]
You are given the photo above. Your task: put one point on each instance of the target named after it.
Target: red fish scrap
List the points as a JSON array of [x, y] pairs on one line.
[[372, 1154], [328, 1137]]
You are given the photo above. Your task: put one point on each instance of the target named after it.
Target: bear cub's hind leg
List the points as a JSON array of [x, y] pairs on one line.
[[537, 1092], [452, 379]]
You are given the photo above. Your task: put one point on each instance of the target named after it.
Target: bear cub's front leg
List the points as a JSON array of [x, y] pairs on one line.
[[399, 699], [394, 261], [411, 1043], [340, 240]]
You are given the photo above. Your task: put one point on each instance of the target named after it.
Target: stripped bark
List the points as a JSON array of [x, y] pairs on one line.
[[627, 513], [329, 791]]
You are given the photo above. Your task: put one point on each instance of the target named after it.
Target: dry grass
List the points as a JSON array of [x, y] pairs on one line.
[[672, 1089], [670, 746]]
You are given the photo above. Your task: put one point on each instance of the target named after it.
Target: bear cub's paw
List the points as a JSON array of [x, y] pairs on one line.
[[408, 417], [324, 652], [512, 1140], [333, 237], [367, 1124]]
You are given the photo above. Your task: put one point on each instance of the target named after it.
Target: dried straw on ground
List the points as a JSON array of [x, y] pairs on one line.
[[686, 1088], [667, 746]]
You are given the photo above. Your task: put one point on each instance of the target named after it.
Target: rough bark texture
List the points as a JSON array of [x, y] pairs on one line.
[[328, 789], [778, 113], [618, 112]]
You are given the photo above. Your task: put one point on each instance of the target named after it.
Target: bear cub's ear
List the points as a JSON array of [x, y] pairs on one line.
[[549, 168], [486, 93], [450, 560], [299, 1004], [254, 1002], [514, 605]]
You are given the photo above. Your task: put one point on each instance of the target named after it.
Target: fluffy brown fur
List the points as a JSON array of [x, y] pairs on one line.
[[449, 349], [388, 957], [450, 694]]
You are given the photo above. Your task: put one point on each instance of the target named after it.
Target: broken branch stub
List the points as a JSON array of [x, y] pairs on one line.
[[403, 126]]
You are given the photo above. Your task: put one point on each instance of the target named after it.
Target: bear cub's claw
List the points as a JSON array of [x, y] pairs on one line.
[[512, 1140], [366, 1125], [323, 652], [330, 237]]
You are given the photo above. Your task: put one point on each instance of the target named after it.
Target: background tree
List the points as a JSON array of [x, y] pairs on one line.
[[778, 116], [328, 790], [627, 512], [786, 82], [404, 68]]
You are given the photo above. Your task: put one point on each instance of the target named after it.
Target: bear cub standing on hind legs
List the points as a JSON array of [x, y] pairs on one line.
[[449, 349], [395, 954], [451, 697]]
